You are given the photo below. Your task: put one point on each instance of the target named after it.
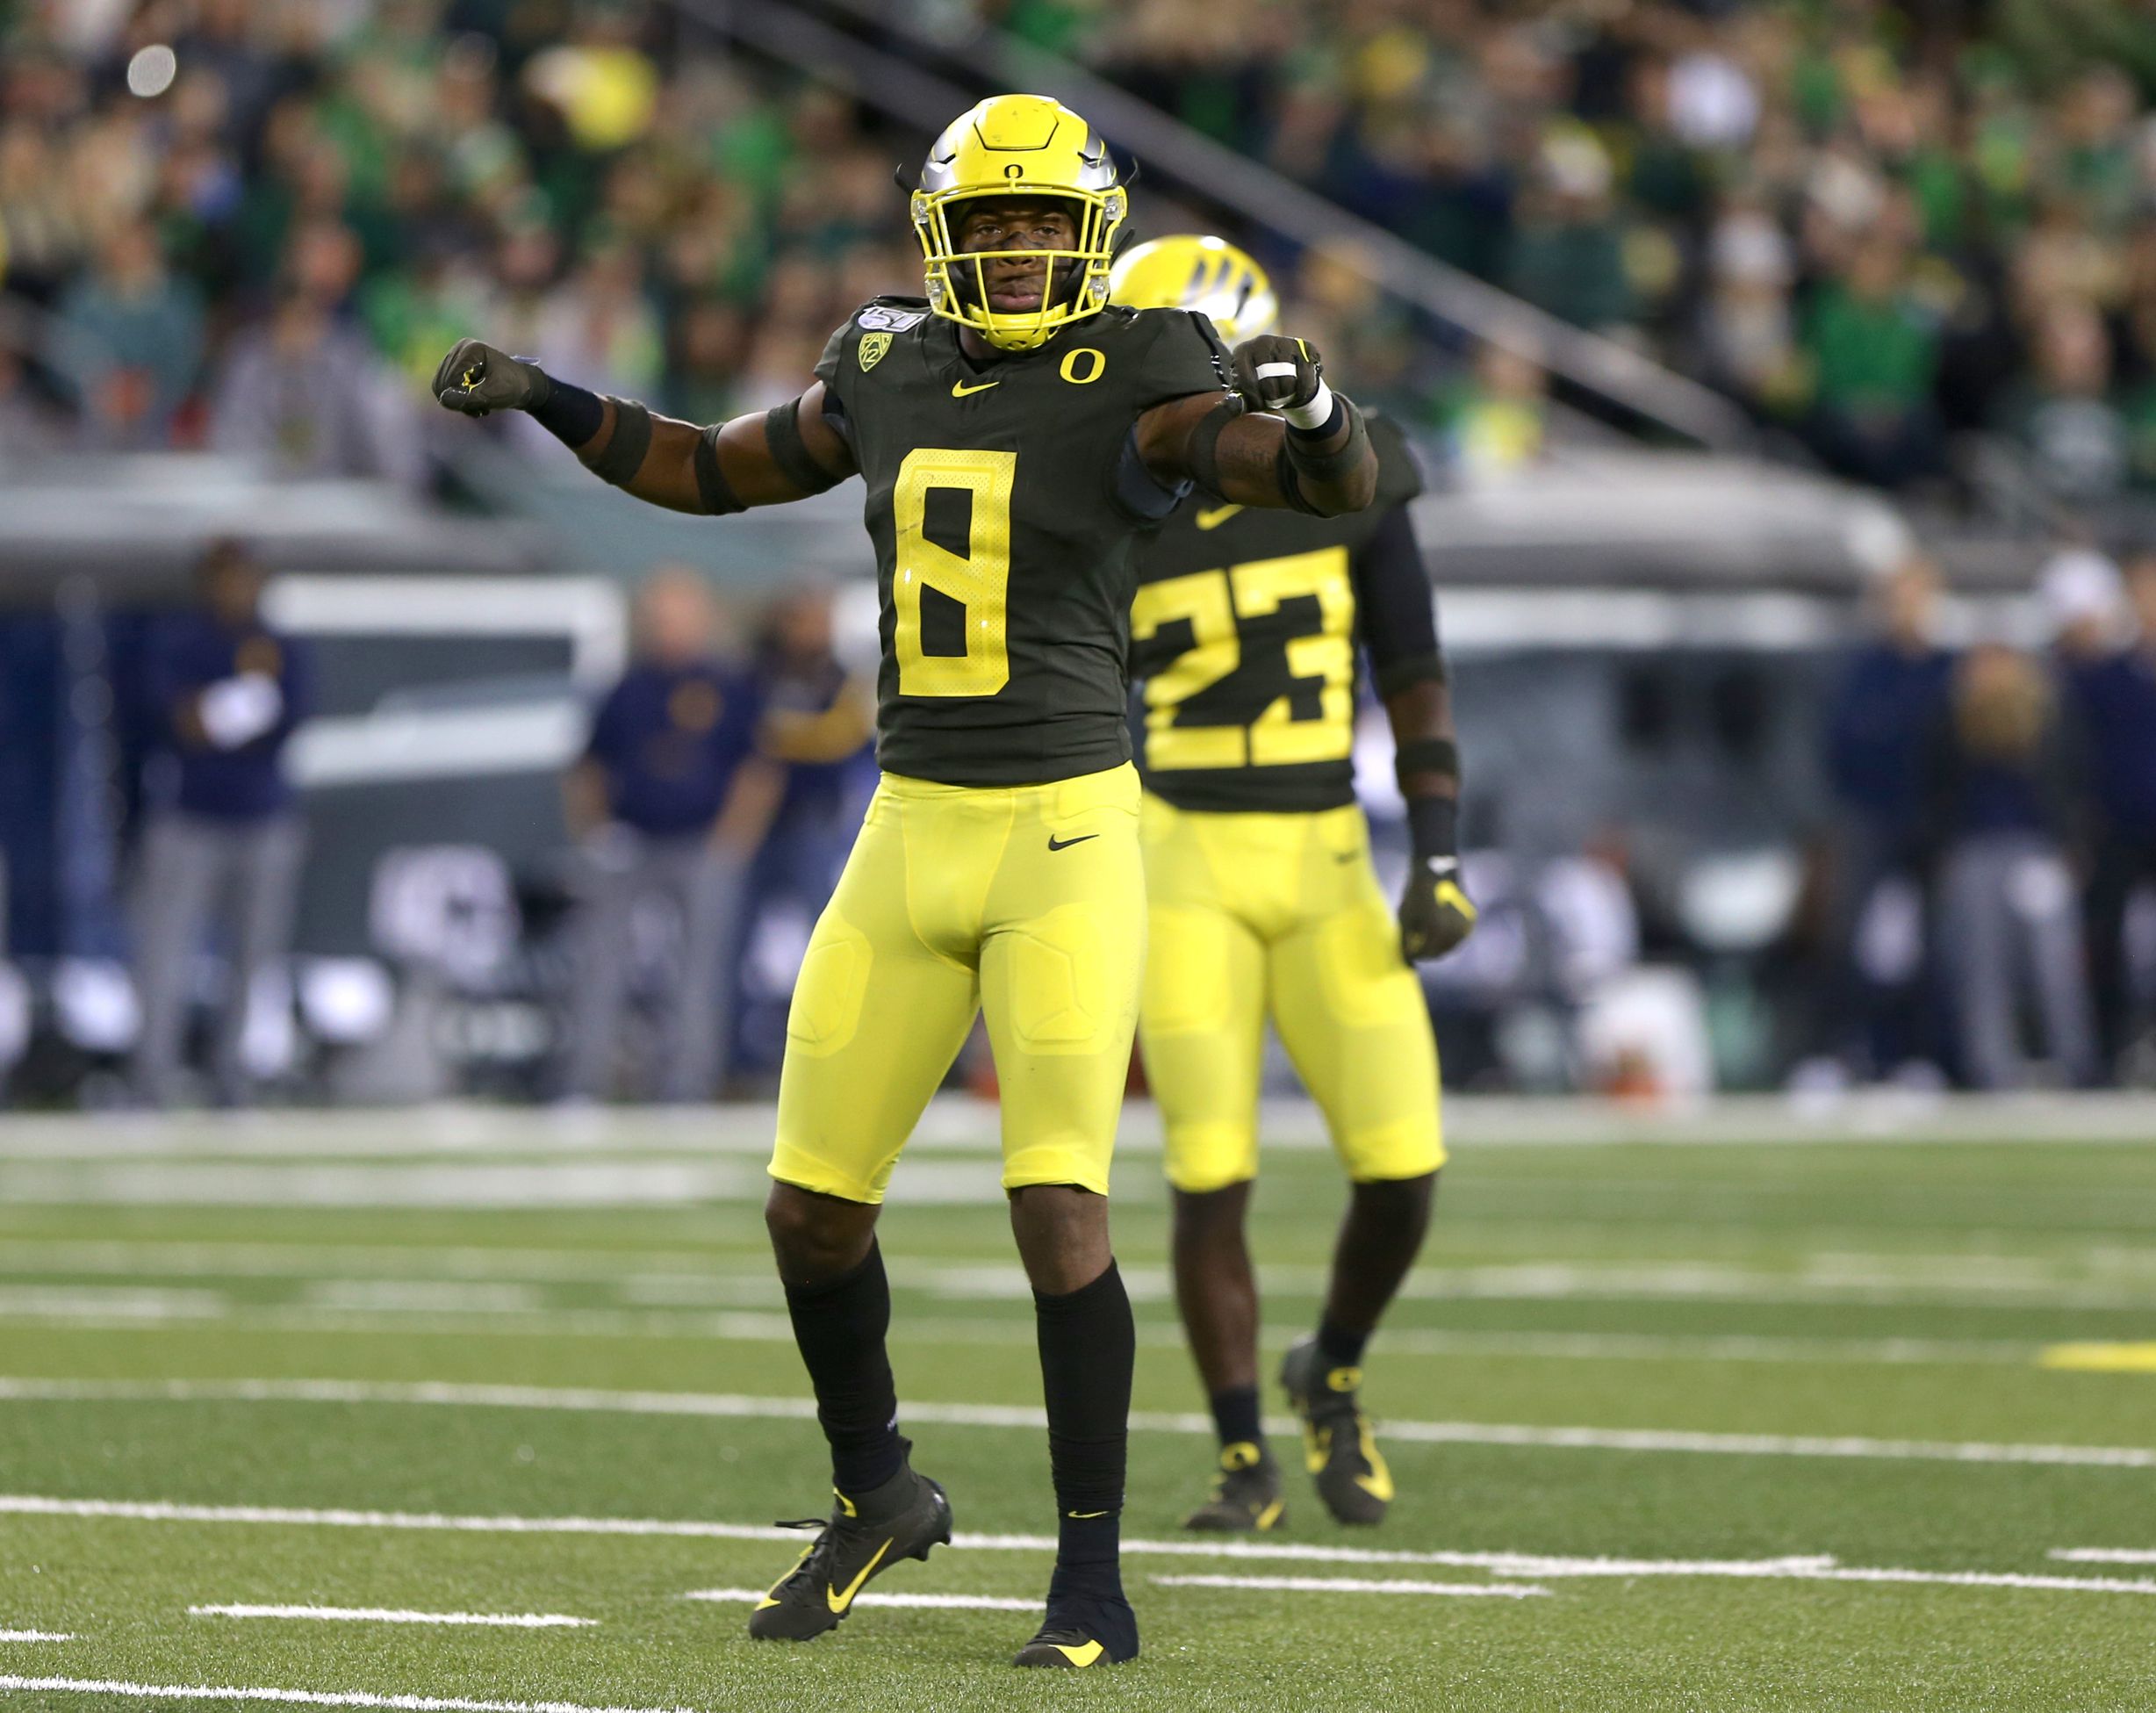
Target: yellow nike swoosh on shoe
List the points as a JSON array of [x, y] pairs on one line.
[[837, 1601], [959, 390], [1270, 1515], [1379, 1482], [1213, 516], [1080, 1656]]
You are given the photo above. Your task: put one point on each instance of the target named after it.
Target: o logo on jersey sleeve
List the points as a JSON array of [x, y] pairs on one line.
[[1094, 369], [873, 347]]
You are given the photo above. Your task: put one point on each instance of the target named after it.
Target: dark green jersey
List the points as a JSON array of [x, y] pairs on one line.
[[1004, 499], [1244, 629]]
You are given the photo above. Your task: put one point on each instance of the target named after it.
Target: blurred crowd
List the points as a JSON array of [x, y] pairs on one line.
[[1875, 224], [1878, 226], [1996, 819], [255, 224]]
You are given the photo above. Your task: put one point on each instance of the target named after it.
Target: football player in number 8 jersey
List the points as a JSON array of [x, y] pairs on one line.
[[1013, 433], [1245, 631]]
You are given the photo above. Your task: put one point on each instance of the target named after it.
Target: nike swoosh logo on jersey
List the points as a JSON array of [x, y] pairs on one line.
[[1213, 516], [959, 390], [1055, 844]]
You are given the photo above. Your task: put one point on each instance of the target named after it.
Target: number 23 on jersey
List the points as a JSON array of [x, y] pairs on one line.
[[1218, 605]]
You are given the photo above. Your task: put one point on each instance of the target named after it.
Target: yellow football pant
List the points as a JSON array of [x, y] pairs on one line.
[[1026, 903], [1280, 914]]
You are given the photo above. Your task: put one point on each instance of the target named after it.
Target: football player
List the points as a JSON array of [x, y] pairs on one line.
[[1263, 903], [1012, 432]]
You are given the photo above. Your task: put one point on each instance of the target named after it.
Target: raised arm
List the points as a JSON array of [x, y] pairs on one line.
[[1314, 456], [764, 459]]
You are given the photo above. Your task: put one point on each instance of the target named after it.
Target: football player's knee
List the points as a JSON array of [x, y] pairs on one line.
[[1204, 1216], [1398, 1207], [1202, 1158], [1383, 1155], [816, 1237]]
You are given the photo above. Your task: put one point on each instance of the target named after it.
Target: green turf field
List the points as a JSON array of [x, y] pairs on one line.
[[1825, 1425]]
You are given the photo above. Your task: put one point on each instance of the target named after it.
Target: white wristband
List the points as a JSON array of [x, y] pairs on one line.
[[1316, 413]]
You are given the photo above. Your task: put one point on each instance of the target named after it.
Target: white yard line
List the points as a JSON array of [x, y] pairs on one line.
[[1954, 1579], [506, 1318], [2104, 1555], [1813, 1568], [390, 1614], [1186, 1547], [119, 1690], [955, 1602], [592, 1399], [1353, 1585], [33, 1636], [1539, 1567]]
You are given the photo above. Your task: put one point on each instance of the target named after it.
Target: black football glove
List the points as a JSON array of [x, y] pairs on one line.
[[1435, 912], [475, 378], [1277, 373]]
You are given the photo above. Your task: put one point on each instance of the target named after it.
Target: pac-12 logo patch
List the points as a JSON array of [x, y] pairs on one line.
[[872, 348]]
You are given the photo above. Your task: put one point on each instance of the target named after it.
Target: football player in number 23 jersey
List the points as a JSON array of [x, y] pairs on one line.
[[1013, 431], [1245, 631]]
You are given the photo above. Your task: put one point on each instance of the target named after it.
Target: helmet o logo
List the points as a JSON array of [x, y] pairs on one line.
[[1093, 370]]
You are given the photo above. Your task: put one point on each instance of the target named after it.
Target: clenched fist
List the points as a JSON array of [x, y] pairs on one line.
[[1435, 912], [475, 378], [1275, 372]]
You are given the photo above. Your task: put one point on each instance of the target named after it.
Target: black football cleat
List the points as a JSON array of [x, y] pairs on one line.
[[1081, 1632], [1337, 1443], [864, 1538], [1247, 1499]]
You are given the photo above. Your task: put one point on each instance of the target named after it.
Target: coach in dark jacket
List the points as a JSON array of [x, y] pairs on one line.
[[223, 836], [667, 805], [1885, 708]]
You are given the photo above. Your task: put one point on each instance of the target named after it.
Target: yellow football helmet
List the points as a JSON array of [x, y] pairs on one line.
[[1209, 274], [1012, 146]]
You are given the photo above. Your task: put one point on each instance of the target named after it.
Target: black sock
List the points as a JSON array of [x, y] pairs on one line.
[[1235, 1415], [1088, 1348], [1339, 1346], [840, 1328]]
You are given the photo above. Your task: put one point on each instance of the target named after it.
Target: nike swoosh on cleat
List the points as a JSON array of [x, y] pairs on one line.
[[1214, 516], [959, 390], [837, 1601], [1080, 1656], [1054, 843]]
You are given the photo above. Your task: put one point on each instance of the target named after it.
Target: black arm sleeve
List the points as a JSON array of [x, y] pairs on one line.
[[1396, 609]]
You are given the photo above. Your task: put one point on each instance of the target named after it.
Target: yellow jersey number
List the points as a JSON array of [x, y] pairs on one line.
[[1216, 603], [978, 581]]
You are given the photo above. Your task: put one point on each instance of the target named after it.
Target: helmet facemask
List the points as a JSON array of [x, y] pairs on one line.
[[1074, 280]]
